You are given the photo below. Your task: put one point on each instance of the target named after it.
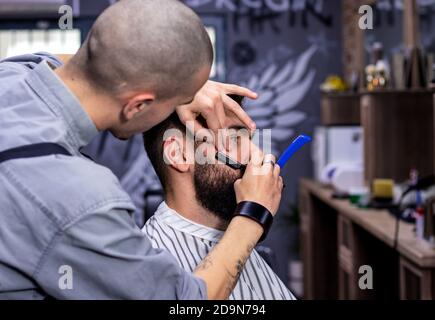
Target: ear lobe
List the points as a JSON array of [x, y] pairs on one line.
[[137, 104], [173, 154]]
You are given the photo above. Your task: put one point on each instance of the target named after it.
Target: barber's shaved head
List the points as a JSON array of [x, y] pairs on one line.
[[155, 45]]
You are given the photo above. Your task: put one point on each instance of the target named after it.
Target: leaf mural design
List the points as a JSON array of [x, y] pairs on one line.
[[281, 89], [282, 75], [291, 97], [290, 119], [302, 64], [253, 82], [266, 77]]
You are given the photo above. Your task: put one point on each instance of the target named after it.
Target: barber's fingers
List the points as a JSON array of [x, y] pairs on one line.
[[216, 120], [269, 162], [280, 183], [236, 115], [277, 170], [212, 111], [256, 159], [238, 90], [194, 127], [207, 103]]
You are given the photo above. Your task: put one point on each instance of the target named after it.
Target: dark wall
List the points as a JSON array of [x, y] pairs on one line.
[[388, 26]]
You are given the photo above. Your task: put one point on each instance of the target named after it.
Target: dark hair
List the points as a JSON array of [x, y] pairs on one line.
[[237, 98], [153, 141]]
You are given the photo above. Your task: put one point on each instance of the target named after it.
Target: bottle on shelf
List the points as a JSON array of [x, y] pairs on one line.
[[378, 71]]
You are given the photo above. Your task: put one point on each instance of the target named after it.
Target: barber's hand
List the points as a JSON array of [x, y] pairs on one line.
[[217, 108], [261, 182]]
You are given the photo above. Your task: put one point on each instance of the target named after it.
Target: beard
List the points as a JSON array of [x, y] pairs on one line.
[[214, 188]]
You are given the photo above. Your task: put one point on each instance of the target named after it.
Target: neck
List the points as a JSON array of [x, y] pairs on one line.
[[184, 202], [96, 105]]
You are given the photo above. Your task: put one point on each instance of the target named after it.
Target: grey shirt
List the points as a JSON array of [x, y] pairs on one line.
[[66, 229]]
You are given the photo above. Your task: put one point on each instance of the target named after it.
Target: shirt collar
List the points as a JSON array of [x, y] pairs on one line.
[[176, 221], [51, 89]]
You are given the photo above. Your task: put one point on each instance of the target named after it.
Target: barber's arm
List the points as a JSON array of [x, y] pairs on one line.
[[102, 254]]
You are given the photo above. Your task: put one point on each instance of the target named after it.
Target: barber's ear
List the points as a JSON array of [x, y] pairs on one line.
[[174, 155], [136, 104]]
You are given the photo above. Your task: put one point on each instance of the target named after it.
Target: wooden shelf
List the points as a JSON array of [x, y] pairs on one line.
[[340, 109]]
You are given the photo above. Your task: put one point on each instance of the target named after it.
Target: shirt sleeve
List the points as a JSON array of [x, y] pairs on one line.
[[105, 256]]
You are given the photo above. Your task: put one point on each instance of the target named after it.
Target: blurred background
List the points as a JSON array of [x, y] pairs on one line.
[[357, 216]]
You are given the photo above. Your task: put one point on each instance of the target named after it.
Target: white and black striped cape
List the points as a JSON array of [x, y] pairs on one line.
[[190, 242]]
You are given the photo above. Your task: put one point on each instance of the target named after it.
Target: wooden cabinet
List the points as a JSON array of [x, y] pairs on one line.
[[322, 282], [363, 238], [398, 134], [347, 281], [416, 283]]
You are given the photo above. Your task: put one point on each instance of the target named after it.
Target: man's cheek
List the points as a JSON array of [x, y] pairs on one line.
[[204, 154], [244, 151]]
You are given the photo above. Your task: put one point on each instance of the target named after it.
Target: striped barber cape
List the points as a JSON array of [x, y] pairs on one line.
[[190, 242]]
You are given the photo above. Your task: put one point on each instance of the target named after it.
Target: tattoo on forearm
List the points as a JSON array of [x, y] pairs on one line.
[[205, 264], [232, 272], [240, 264]]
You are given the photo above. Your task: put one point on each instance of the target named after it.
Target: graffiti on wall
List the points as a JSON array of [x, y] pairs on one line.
[[264, 15]]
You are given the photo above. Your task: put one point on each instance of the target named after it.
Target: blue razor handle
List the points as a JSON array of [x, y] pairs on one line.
[[294, 147]]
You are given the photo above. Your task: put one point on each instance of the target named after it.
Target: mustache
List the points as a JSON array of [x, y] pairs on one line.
[[233, 164]]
